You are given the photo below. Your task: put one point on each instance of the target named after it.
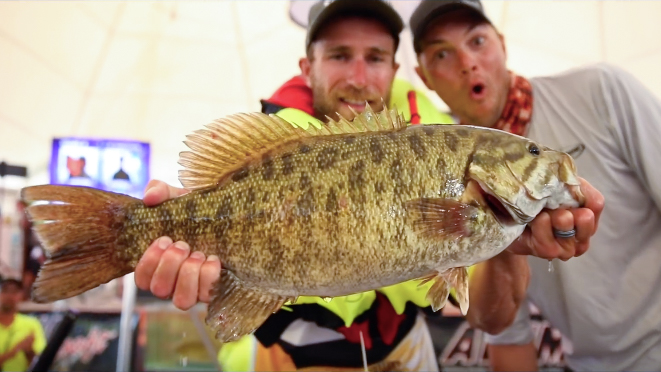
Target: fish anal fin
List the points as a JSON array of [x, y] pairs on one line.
[[236, 310], [442, 218], [457, 278]]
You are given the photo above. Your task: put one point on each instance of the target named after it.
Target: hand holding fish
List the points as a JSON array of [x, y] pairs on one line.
[[538, 239], [168, 269]]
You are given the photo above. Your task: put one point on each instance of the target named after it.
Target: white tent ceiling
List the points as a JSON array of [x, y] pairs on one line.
[[155, 71]]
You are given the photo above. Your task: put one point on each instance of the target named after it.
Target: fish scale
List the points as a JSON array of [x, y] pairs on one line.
[[349, 207]]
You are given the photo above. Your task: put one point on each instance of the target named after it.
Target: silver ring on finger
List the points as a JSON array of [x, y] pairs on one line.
[[564, 234]]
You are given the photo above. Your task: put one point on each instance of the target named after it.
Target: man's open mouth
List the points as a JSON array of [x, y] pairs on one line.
[[477, 91]]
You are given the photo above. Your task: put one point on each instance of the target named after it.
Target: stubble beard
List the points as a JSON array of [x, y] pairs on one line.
[[324, 104]]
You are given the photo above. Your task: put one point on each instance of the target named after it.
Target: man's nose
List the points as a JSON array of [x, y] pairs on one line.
[[358, 73], [467, 61]]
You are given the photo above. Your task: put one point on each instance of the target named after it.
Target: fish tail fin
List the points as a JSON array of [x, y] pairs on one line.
[[80, 229]]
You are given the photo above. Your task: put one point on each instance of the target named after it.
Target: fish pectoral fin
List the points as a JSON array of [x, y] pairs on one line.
[[442, 218], [457, 278], [235, 310]]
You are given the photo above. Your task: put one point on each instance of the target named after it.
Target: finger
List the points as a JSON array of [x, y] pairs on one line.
[[185, 291], [163, 280], [584, 220], [149, 262], [594, 201], [522, 244], [542, 241], [209, 274], [157, 192], [563, 220]]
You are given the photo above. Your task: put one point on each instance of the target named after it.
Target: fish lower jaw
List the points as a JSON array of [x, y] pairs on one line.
[[571, 197]]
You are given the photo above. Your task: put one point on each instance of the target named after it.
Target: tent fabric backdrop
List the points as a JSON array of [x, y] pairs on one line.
[[156, 71]]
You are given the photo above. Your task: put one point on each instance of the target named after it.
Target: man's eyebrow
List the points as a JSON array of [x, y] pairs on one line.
[[344, 48], [338, 48], [379, 50], [425, 43], [474, 26]]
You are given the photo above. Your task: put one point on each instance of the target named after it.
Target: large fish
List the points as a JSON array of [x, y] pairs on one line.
[[351, 207]]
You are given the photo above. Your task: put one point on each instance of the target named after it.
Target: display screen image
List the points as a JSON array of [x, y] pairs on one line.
[[113, 165]]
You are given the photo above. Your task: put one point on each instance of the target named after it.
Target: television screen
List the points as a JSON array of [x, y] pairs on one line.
[[114, 165]]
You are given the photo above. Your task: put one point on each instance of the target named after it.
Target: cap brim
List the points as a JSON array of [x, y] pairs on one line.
[[378, 9], [419, 26]]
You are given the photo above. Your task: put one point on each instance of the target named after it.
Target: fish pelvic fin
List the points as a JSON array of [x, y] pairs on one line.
[[79, 228], [236, 310], [229, 144], [442, 218], [438, 293], [457, 278]]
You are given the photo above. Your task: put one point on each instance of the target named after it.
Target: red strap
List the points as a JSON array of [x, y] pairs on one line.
[[413, 105]]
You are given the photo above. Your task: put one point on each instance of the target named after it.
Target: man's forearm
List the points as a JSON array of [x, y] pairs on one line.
[[512, 358], [497, 288]]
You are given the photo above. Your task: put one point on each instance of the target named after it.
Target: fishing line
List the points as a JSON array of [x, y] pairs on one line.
[[362, 349]]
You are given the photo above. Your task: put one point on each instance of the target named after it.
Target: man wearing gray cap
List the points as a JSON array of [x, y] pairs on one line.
[[605, 303]]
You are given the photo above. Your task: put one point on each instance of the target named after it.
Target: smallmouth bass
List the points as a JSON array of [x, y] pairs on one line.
[[351, 207]]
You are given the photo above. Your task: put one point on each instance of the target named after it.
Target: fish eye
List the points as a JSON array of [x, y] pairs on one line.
[[533, 149]]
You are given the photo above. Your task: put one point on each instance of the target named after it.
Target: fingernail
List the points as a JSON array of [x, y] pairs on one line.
[[213, 257], [182, 246], [198, 255], [164, 242]]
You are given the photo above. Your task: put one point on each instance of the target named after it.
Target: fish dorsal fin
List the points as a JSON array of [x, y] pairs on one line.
[[226, 144], [368, 121]]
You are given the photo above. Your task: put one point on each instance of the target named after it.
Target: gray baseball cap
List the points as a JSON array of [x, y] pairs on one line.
[[324, 10], [428, 10]]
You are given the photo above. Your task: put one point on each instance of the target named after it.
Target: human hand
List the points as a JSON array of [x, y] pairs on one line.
[[25, 345], [157, 192], [538, 238], [168, 269]]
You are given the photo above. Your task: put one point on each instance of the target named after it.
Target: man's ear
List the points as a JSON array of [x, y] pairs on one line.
[[418, 70], [502, 41], [306, 66]]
